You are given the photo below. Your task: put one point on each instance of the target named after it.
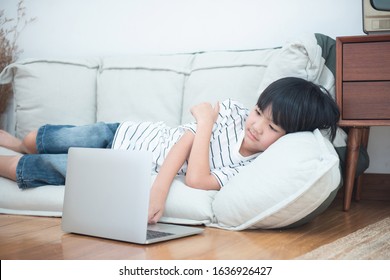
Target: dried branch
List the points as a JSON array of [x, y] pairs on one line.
[[10, 30]]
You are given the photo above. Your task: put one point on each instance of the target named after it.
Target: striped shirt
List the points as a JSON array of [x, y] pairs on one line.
[[227, 135]]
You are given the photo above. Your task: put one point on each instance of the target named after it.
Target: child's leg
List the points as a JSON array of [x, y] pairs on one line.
[[41, 169], [25, 146], [29, 143], [57, 139], [30, 171], [8, 166]]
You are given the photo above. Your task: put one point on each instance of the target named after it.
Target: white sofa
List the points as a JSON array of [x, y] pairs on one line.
[[291, 183]]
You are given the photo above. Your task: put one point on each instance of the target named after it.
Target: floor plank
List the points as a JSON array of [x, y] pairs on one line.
[[23, 237]]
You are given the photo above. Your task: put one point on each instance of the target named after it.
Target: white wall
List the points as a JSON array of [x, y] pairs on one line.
[[89, 27], [71, 28]]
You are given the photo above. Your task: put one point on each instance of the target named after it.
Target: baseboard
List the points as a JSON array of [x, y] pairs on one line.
[[375, 186]]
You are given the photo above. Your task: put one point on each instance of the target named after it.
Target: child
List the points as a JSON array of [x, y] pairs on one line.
[[208, 152]]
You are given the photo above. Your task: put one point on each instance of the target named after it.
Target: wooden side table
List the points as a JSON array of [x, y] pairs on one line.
[[362, 94]]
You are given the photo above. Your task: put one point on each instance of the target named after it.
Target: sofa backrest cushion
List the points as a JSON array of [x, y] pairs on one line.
[[216, 76], [142, 88], [52, 91]]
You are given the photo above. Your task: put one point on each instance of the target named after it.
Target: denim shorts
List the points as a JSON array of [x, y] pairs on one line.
[[48, 166]]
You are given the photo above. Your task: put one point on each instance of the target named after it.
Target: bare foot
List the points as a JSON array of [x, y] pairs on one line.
[[10, 142]]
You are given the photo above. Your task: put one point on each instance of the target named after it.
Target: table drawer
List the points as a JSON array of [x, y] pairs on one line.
[[366, 61], [366, 100]]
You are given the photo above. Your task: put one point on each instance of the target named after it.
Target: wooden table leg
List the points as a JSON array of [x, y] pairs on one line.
[[354, 140], [364, 143]]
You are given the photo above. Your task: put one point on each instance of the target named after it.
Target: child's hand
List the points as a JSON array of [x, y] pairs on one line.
[[156, 206], [205, 112]]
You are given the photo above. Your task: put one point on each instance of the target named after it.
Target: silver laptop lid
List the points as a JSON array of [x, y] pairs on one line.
[[107, 193]]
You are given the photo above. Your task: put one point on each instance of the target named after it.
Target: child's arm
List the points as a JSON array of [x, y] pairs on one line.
[[172, 163], [198, 170]]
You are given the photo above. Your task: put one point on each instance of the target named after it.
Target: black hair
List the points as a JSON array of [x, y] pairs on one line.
[[300, 105]]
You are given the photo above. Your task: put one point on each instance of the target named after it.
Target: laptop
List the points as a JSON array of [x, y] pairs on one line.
[[107, 195]]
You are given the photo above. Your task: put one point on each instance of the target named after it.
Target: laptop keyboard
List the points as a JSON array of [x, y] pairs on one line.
[[151, 234]]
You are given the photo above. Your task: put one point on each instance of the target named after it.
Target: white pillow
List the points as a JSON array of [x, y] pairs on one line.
[[290, 180], [187, 205]]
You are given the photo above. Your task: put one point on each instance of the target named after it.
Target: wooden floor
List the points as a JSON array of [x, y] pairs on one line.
[[23, 237]]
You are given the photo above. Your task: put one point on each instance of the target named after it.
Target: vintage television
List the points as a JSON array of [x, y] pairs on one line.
[[376, 16]]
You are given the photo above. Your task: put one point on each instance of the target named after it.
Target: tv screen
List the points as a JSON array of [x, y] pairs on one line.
[[376, 16], [381, 5]]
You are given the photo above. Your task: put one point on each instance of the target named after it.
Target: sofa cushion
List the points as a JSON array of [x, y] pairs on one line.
[[216, 76], [52, 91], [42, 201], [142, 88], [187, 205], [304, 57], [290, 180]]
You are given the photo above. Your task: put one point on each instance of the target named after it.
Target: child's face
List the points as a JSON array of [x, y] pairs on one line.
[[260, 132]]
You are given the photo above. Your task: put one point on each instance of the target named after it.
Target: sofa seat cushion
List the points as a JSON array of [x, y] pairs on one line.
[[42, 201]]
